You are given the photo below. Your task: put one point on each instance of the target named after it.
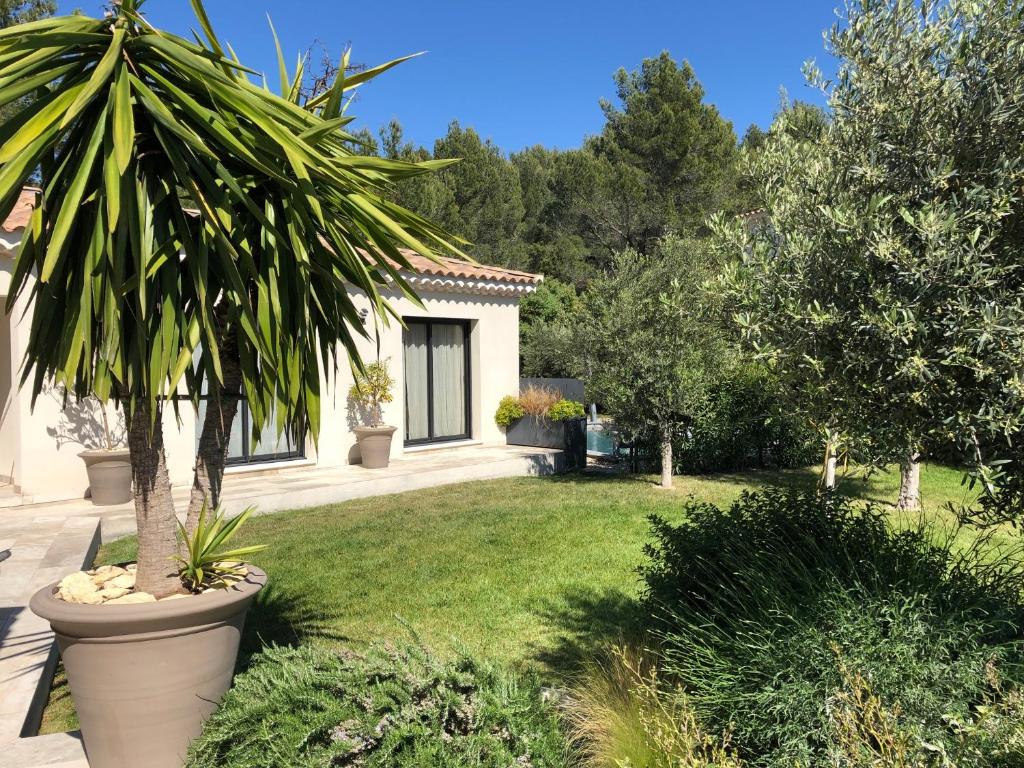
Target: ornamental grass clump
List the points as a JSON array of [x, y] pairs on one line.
[[810, 630], [537, 400], [621, 714], [398, 707]]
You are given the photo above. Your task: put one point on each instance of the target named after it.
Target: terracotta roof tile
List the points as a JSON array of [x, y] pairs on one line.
[[457, 268], [19, 216]]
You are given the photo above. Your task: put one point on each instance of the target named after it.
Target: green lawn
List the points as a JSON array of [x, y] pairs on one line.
[[529, 571]]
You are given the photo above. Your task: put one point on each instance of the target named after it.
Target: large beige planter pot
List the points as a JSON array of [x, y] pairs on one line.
[[144, 677], [110, 475], [375, 445]]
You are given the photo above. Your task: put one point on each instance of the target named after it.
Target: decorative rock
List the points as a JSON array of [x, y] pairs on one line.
[[112, 593], [105, 573], [176, 596], [124, 581], [79, 588], [132, 598]]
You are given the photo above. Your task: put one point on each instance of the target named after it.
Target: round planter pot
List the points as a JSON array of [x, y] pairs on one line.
[[375, 445], [110, 475], [144, 677]]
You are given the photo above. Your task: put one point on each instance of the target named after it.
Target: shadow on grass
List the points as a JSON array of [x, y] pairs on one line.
[[585, 622], [282, 617], [854, 483], [599, 475]]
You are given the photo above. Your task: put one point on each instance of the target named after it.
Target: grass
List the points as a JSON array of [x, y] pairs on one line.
[[533, 572]]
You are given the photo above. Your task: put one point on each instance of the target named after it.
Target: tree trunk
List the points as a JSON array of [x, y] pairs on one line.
[[910, 483], [830, 466], [666, 457], [212, 452], [154, 507]]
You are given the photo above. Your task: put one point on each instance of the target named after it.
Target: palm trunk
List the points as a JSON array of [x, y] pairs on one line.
[[212, 452], [910, 483], [666, 457], [830, 466], [154, 507]]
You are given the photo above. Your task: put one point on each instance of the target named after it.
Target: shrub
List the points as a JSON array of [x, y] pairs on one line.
[[508, 411], [537, 400], [389, 707], [745, 423], [767, 612], [566, 409]]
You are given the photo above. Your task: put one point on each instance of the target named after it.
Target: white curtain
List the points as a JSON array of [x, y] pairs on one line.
[[416, 425], [449, 369]]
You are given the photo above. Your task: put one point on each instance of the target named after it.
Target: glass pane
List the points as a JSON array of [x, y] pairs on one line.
[[269, 444], [416, 426], [449, 370], [237, 431]]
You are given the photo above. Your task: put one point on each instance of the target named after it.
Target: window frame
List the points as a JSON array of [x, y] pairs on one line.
[[467, 375], [243, 418]]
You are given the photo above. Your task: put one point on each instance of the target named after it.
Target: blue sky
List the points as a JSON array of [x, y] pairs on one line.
[[527, 72]]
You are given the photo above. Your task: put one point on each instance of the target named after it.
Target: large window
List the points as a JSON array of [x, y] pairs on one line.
[[269, 447], [437, 374]]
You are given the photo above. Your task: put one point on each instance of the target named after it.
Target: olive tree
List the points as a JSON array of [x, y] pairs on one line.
[[884, 274], [648, 337], [187, 212]]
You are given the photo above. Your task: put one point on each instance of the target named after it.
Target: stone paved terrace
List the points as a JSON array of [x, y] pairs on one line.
[[48, 541]]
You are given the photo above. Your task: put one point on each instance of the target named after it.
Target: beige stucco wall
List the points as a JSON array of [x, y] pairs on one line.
[[494, 361], [41, 444]]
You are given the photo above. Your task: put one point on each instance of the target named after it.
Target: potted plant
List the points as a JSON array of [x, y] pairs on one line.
[[109, 468], [541, 417], [144, 671], [369, 393], [135, 301]]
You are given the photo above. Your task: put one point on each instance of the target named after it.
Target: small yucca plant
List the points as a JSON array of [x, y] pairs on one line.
[[206, 562]]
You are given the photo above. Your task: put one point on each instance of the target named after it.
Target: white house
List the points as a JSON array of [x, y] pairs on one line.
[[453, 362]]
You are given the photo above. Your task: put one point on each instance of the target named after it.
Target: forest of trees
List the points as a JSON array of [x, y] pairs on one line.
[[663, 164], [664, 160]]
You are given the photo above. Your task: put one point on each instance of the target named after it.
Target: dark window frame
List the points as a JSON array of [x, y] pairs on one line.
[[247, 458], [431, 439]]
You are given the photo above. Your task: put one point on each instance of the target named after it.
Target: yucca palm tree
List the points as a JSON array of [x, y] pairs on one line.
[[193, 227]]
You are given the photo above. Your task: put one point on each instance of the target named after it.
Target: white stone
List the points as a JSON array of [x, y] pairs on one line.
[[80, 580], [132, 598], [79, 588], [112, 593], [105, 573], [175, 596], [124, 581], [82, 597]]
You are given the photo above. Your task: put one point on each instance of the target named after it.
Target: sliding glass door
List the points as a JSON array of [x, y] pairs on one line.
[[437, 369]]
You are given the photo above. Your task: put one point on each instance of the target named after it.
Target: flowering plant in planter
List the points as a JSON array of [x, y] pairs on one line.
[[566, 409], [539, 402], [369, 393], [509, 410], [372, 390]]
